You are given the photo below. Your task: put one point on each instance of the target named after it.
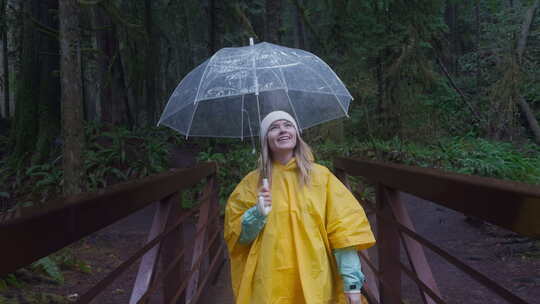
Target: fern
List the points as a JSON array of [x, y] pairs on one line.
[[50, 267]]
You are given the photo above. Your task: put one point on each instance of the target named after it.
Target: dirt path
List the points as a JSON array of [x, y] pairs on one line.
[[512, 261]]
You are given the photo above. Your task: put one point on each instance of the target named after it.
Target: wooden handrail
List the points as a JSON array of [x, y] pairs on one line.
[[511, 205], [37, 232], [508, 204]]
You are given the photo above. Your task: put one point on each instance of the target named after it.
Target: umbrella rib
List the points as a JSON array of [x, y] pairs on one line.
[[332, 71], [289, 99], [242, 121], [333, 93], [170, 98], [196, 101], [258, 68]]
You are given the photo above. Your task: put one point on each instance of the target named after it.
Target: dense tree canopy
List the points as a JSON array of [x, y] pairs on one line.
[[419, 70]]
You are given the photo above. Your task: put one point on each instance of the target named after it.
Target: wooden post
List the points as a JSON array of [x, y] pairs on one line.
[[371, 279], [149, 260], [415, 252], [342, 176], [215, 226], [389, 248], [200, 241], [171, 247]]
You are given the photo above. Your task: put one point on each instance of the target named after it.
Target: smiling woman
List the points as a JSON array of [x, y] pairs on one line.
[[282, 140], [304, 250]]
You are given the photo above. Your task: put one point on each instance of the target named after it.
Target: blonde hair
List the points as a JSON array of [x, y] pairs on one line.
[[301, 152]]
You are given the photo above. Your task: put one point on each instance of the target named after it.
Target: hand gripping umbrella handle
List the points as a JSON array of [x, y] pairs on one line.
[[264, 210]]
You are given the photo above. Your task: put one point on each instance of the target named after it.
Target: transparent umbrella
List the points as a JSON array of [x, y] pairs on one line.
[[230, 93]]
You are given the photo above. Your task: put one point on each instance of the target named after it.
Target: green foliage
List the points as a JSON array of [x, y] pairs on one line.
[[48, 179], [49, 267], [120, 154], [493, 159], [465, 155], [234, 163], [110, 156], [8, 281]]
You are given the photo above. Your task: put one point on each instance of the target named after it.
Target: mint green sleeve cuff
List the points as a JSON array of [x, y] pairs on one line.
[[349, 268], [252, 223]]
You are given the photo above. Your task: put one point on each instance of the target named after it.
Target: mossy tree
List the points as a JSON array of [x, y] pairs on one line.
[[72, 95], [37, 114]]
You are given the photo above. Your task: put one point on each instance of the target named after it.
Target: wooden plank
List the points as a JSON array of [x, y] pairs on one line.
[[215, 225], [38, 232], [415, 251], [105, 282], [371, 285], [388, 242], [202, 226], [481, 278], [512, 205], [149, 260], [213, 268], [170, 248], [180, 290], [422, 286]]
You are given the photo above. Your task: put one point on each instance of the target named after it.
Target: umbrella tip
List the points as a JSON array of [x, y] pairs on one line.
[[250, 40]]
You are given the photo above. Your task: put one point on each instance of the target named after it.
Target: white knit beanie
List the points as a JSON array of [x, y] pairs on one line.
[[274, 116]]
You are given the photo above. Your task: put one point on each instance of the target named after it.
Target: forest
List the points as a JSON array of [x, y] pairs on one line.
[[446, 84]]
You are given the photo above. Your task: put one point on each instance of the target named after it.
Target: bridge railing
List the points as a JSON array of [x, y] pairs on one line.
[[29, 234], [514, 206]]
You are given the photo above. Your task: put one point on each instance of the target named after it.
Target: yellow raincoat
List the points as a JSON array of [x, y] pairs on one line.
[[291, 259]]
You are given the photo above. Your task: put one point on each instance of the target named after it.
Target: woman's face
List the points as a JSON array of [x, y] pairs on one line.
[[281, 136]]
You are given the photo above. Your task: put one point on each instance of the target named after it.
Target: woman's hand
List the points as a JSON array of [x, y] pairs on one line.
[[266, 204], [353, 297]]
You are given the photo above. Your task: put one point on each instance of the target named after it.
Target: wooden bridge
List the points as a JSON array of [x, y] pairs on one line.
[[173, 269]]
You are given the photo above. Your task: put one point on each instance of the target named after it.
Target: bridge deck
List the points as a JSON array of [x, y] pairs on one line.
[[220, 292]]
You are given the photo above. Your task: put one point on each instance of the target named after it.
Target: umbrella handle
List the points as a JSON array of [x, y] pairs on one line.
[[265, 210]]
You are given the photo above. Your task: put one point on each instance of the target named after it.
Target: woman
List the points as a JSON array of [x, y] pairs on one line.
[[304, 249]]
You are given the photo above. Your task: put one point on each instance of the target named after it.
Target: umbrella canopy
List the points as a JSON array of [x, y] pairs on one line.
[[229, 93]]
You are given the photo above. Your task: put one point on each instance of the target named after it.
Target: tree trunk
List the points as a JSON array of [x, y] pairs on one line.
[[24, 132], [216, 29], [299, 31], [92, 65], [529, 115], [4, 71], [477, 59], [72, 95], [273, 21], [14, 21], [191, 56], [152, 63], [306, 21], [338, 31], [111, 98], [49, 86], [450, 16]]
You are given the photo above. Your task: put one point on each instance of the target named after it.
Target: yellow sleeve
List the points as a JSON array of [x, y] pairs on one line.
[[346, 221], [241, 199]]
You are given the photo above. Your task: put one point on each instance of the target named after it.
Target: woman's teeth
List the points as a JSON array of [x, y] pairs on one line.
[[283, 138]]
